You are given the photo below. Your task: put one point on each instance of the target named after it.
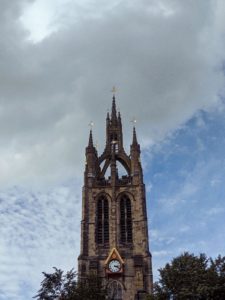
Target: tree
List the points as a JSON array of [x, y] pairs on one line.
[[217, 277], [60, 286], [192, 277]]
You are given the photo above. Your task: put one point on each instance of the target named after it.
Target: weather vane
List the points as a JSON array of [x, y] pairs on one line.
[[91, 124], [114, 90], [134, 121]]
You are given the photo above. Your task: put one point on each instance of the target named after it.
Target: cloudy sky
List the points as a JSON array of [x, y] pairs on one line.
[[59, 60]]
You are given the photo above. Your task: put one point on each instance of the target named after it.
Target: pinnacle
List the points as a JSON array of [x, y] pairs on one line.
[[134, 142], [90, 142]]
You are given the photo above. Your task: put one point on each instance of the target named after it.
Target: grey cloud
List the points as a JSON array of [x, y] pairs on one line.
[[160, 54]]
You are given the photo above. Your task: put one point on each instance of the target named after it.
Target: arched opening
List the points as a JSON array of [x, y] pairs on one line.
[[121, 169], [102, 222], [115, 290], [105, 169], [113, 137], [126, 235], [122, 172]]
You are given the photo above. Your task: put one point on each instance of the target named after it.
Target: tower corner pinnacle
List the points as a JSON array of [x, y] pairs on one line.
[[90, 141]]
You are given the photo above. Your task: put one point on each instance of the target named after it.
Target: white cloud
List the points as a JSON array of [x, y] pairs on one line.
[[36, 229], [184, 228], [181, 196], [215, 182], [161, 238], [160, 253], [215, 211]]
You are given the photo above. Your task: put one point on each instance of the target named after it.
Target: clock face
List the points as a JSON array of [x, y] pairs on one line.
[[114, 266]]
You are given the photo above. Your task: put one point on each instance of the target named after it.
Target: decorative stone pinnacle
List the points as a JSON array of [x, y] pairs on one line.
[[90, 142]]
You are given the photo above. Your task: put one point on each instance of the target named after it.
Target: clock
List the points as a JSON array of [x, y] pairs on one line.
[[114, 266]]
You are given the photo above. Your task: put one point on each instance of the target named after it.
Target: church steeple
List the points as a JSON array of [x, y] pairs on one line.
[[114, 227]]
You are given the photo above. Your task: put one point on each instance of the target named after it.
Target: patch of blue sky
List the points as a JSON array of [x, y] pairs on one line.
[[186, 202]]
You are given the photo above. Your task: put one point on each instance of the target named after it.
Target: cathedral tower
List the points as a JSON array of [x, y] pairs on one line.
[[114, 226]]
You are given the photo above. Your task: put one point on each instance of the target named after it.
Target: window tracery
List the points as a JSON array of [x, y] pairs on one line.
[[115, 290], [126, 235], [102, 226]]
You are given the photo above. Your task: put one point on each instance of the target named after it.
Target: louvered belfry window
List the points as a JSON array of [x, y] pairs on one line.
[[102, 226], [125, 220]]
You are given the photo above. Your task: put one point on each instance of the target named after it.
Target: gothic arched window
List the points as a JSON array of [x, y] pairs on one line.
[[115, 290], [125, 220], [102, 226]]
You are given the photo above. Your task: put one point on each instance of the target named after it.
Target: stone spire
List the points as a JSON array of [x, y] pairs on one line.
[[134, 142], [90, 142], [90, 149], [135, 146]]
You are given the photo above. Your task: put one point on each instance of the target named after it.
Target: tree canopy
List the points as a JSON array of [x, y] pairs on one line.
[[60, 286], [186, 277], [192, 277]]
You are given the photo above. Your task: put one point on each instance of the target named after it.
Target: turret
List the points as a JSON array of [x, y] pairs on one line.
[[91, 161], [136, 169]]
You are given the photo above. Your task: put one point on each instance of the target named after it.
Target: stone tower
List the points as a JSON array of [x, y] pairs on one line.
[[114, 226]]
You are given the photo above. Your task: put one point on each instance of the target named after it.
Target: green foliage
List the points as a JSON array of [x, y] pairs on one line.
[[91, 288], [186, 277], [59, 286], [150, 297], [191, 277]]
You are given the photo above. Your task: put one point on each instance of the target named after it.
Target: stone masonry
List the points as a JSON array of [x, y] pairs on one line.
[[114, 215]]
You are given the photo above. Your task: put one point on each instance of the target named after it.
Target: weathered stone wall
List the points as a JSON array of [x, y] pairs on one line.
[[137, 269]]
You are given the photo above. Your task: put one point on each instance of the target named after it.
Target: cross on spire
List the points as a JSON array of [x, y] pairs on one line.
[[114, 90], [91, 125]]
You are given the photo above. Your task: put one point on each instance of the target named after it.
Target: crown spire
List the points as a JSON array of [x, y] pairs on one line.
[[114, 113]]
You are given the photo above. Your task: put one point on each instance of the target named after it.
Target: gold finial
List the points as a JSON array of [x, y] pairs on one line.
[[114, 90], [134, 121], [91, 124]]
